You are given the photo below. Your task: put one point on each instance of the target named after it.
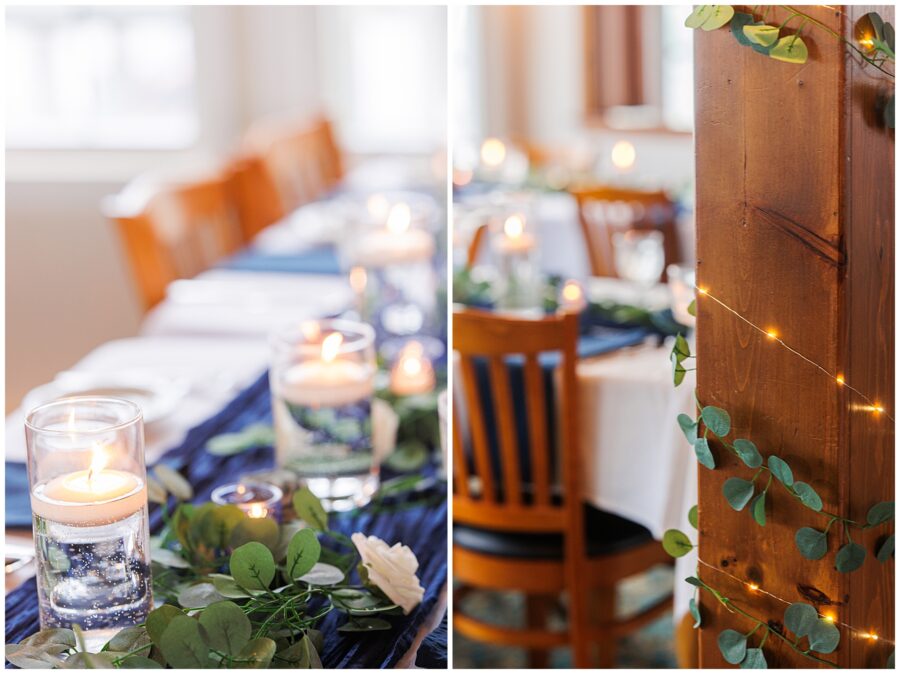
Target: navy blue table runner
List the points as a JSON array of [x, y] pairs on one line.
[[421, 526]]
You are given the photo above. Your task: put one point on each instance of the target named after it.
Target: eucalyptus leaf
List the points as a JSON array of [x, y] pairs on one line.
[[886, 549], [228, 587], [758, 509], [251, 437], [227, 627], [286, 533], [260, 529], [301, 655], [29, 657], [303, 552], [808, 496], [681, 349], [738, 492], [890, 661], [309, 509], [781, 471], [694, 517], [763, 35], [824, 637], [678, 373], [850, 557], [693, 580], [199, 595], [688, 427], [53, 636], [173, 481], [755, 659], [790, 49], [84, 660], [138, 662], [676, 543], [880, 513], [738, 21], [169, 558], [322, 575], [184, 644], [813, 544], [720, 15], [733, 646], [258, 653], [408, 456], [215, 526], [156, 493], [692, 308], [695, 612], [253, 566], [128, 639], [748, 452], [716, 419], [700, 14], [801, 618], [158, 620], [704, 454]]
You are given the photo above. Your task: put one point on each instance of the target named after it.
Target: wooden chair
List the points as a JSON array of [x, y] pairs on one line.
[[603, 211], [281, 167], [474, 248], [173, 231], [537, 537]]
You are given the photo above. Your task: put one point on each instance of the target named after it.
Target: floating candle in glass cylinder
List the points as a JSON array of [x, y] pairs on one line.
[[255, 499], [412, 372], [89, 503], [515, 250], [322, 379]]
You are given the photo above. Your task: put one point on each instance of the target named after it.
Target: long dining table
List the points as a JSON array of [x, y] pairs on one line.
[[209, 338]]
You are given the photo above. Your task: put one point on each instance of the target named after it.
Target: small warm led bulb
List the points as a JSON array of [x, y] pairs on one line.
[[829, 617], [702, 291], [771, 334], [878, 409], [753, 587], [840, 379]]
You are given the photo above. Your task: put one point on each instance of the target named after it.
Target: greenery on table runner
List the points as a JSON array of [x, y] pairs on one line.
[[874, 38], [241, 592], [801, 619]]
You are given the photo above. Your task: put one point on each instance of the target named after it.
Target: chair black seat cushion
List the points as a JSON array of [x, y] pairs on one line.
[[605, 533]]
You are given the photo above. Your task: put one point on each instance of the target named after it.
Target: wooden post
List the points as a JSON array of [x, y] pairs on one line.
[[795, 231]]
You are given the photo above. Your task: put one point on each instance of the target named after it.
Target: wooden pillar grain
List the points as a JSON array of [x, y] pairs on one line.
[[795, 230]]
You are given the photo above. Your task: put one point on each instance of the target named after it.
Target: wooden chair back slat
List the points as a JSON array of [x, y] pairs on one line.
[[460, 465], [484, 338], [173, 231], [506, 430], [480, 447], [637, 210], [541, 475]]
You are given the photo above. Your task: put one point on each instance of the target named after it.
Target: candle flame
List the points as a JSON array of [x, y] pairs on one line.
[[493, 152], [571, 291], [331, 345], [99, 459], [257, 511], [514, 226], [399, 218], [358, 279], [623, 155], [411, 359]]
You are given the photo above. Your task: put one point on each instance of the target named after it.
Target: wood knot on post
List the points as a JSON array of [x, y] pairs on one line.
[[816, 596]]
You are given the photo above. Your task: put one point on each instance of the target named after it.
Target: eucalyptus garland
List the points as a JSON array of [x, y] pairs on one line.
[[875, 38], [243, 592]]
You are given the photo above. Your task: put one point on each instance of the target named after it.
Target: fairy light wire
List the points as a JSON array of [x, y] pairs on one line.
[[756, 589], [773, 336]]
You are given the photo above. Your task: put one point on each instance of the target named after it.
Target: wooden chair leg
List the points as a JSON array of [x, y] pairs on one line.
[[537, 610], [604, 613], [579, 630]]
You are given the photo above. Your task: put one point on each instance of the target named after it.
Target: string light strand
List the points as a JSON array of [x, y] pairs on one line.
[[772, 335], [756, 589]]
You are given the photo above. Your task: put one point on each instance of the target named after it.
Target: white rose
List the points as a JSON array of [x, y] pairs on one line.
[[392, 569], [385, 422]]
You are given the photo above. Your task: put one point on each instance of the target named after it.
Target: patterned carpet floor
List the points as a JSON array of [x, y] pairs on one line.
[[651, 647]]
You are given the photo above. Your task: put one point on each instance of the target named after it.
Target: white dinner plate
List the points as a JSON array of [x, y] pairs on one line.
[[157, 396]]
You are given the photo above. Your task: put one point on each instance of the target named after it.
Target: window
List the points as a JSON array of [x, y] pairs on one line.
[[639, 67], [385, 77], [100, 78]]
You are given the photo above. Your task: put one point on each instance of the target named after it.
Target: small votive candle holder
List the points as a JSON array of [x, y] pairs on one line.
[[412, 372], [515, 249], [322, 379], [571, 297], [88, 485], [256, 499]]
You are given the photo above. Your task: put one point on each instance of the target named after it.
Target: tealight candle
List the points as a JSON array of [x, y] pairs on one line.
[[412, 373], [515, 240], [257, 500], [571, 297], [396, 242], [89, 501]]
